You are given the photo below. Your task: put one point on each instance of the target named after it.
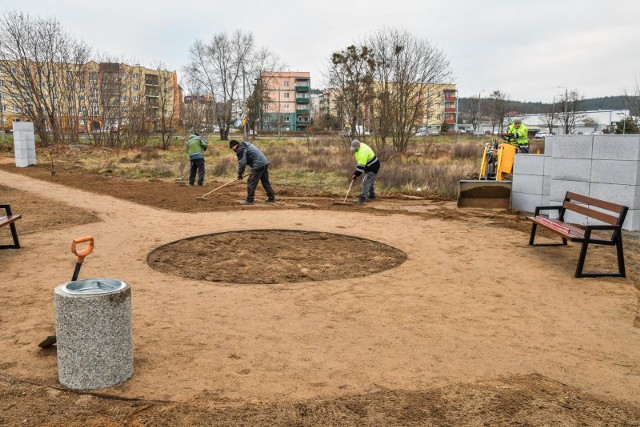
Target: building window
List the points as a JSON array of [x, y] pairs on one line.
[[286, 94], [286, 106], [287, 119], [286, 83]]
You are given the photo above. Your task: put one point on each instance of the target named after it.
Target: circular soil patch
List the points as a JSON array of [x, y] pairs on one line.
[[274, 256]]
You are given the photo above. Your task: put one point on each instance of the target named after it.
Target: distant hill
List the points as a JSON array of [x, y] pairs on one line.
[[605, 103]]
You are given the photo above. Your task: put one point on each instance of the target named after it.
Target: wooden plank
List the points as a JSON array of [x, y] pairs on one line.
[[613, 207], [5, 220], [591, 213], [562, 228]]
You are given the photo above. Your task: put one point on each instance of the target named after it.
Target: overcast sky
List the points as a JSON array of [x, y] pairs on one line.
[[524, 48]]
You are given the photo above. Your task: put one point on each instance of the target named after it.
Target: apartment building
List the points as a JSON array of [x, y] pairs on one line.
[[440, 106], [288, 103], [92, 96]]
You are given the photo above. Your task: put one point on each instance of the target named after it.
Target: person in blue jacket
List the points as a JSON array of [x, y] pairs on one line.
[[250, 155]]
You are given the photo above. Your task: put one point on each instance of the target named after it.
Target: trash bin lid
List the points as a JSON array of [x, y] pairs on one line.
[[94, 286]]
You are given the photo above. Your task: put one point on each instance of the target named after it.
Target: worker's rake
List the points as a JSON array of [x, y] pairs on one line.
[[182, 179], [344, 202], [204, 196]]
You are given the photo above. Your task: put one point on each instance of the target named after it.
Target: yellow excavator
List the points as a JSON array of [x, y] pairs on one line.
[[493, 188]]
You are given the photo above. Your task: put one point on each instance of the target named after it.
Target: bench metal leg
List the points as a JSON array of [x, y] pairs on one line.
[[581, 258], [619, 251], [583, 253], [14, 234], [532, 237]]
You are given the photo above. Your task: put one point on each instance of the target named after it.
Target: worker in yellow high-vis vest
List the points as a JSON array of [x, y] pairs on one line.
[[367, 164]]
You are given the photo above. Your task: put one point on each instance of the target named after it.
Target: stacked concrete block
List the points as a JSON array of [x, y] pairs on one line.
[[615, 173], [527, 188], [605, 167], [24, 144]]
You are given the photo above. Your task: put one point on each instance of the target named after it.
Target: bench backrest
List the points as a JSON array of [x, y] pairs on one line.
[[615, 214]]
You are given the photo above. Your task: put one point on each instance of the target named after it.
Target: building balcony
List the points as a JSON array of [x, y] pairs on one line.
[[304, 111], [450, 121], [302, 88], [302, 100], [450, 98], [450, 109]]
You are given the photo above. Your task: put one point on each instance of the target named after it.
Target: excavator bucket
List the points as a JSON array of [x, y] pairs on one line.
[[484, 194], [493, 191]]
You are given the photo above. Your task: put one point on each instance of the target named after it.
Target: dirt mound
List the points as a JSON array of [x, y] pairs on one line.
[[274, 256]]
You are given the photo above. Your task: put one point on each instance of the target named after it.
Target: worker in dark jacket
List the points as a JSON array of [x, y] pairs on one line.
[[196, 146], [368, 164], [249, 155]]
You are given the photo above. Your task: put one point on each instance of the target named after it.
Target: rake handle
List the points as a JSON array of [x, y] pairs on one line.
[[348, 191], [216, 189]]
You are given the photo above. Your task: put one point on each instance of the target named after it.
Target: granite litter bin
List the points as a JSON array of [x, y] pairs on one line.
[[93, 329]]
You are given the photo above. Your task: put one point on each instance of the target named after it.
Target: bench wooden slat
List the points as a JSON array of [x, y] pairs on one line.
[[613, 207], [566, 229], [602, 216], [5, 220]]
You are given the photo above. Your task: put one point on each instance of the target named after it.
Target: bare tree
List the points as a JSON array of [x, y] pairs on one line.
[[498, 109], [264, 69], [569, 116], [351, 76], [407, 70], [221, 67], [550, 117], [40, 59], [632, 100], [166, 104]]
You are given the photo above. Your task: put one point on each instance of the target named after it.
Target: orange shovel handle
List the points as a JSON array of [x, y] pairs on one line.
[[86, 251]]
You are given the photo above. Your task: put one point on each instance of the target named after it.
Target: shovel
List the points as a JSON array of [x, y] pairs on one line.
[[204, 196], [51, 339]]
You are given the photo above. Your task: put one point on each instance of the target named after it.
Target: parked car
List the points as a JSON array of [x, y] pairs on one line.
[[423, 131], [542, 135]]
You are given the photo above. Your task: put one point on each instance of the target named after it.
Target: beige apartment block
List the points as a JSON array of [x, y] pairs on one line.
[[93, 95], [288, 106]]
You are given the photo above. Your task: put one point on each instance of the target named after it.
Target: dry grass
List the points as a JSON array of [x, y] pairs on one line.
[[431, 166]]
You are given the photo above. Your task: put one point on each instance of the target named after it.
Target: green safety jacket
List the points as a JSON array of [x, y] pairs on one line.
[[196, 146], [522, 134], [366, 160]]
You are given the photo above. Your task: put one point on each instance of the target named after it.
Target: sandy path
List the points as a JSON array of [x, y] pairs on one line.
[[461, 308]]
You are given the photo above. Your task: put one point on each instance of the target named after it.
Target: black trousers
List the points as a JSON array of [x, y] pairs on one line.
[[259, 175], [197, 165]]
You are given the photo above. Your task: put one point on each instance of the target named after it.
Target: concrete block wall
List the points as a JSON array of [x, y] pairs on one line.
[[527, 188], [602, 166], [24, 144]]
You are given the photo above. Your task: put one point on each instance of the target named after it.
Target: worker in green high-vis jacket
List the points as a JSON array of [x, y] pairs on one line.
[[367, 164], [196, 146]]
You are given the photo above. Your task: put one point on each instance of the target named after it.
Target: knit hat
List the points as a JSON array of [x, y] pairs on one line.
[[233, 143], [355, 144]]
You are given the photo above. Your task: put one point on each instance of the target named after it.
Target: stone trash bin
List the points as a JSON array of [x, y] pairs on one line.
[[93, 329]]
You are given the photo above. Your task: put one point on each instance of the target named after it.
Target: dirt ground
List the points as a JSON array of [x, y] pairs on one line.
[[473, 328]]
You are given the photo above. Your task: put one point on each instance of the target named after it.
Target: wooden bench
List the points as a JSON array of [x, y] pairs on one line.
[[611, 214], [9, 219]]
